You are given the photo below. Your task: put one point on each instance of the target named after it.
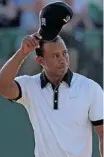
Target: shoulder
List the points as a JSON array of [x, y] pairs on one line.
[[26, 79], [85, 82]]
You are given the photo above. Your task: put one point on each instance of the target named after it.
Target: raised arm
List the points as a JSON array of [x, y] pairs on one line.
[[8, 87]]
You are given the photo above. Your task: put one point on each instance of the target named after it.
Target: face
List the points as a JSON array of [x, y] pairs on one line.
[[56, 58]]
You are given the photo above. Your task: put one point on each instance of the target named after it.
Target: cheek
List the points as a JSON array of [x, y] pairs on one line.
[[49, 63], [67, 58]]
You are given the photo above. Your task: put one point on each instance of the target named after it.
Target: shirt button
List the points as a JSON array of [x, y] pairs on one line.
[[56, 91], [55, 101]]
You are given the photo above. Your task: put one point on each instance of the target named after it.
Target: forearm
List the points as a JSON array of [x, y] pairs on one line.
[[101, 147], [10, 69], [99, 131]]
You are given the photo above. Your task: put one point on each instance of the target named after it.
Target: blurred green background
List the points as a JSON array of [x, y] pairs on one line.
[[84, 39]]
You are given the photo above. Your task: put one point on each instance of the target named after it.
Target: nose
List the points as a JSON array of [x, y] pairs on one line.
[[61, 59]]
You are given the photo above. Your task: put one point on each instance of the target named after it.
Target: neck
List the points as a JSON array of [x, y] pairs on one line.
[[54, 79]]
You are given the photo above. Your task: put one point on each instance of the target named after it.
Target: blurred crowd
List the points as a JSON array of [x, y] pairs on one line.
[[83, 35]]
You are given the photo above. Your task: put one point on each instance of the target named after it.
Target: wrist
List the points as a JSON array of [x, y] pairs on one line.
[[22, 54]]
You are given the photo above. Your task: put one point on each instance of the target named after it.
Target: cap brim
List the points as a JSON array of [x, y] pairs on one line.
[[49, 34]]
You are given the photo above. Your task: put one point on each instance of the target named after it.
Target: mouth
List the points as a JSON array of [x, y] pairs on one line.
[[62, 67]]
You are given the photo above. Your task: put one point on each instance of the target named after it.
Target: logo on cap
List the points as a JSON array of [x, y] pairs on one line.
[[43, 21], [66, 19]]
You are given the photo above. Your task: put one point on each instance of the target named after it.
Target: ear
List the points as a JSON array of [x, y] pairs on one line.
[[39, 60]]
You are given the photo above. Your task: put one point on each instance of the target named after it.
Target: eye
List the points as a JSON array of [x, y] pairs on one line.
[[55, 56], [65, 52]]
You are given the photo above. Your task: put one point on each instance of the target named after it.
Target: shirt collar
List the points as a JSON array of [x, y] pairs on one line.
[[67, 78]]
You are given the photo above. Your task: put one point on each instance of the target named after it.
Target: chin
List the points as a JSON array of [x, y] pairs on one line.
[[61, 72]]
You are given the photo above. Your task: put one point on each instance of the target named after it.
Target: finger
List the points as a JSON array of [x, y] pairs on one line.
[[37, 39], [32, 46], [36, 42], [28, 44], [31, 41], [37, 36]]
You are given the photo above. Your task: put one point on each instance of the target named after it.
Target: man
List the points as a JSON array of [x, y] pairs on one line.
[[62, 105]]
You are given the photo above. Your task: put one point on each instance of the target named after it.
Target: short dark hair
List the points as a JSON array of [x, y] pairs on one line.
[[39, 51]]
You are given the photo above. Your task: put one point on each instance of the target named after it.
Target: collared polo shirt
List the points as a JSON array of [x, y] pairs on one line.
[[62, 116]]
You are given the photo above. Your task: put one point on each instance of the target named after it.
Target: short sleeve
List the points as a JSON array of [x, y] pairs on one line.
[[96, 104], [22, 82]]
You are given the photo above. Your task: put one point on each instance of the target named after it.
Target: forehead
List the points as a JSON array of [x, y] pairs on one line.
[[55, 46]]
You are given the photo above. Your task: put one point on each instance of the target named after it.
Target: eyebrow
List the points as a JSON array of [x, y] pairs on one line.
[[66, 50]]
